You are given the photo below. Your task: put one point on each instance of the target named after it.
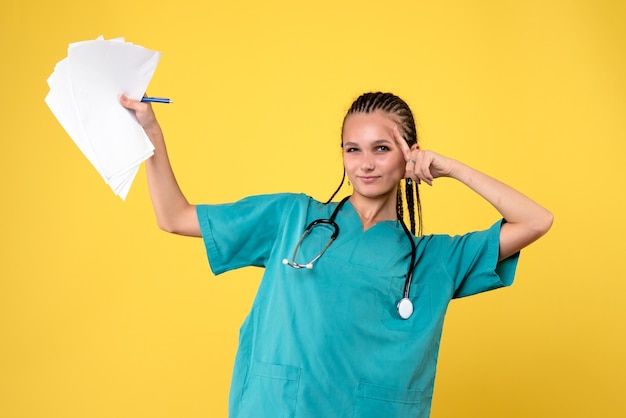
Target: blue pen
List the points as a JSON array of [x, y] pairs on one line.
[[156, 100]]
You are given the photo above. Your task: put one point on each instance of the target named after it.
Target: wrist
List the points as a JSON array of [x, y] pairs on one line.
[[460, 171], [456, 169], [155, 135]]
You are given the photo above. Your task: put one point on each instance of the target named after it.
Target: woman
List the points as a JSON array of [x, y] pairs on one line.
[[348, 326]]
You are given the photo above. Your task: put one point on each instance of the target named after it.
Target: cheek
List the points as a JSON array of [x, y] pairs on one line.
[[348, 167], [397, 161], [349, 161], [399, 170]]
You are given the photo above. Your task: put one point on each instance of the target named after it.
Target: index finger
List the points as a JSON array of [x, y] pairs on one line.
[[404, 147]]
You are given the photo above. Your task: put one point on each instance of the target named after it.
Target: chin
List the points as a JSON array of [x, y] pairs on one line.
[[375, 194]]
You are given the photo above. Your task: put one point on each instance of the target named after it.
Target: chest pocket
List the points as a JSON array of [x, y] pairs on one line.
[[422, 307]]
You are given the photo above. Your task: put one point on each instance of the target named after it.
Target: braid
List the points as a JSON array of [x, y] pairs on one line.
[[420, 224], [399, 208], [390, 103], [399, 109], [338, 188], [410, 204]]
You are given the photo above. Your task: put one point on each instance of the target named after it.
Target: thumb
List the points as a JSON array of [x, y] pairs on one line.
[[128, 102]]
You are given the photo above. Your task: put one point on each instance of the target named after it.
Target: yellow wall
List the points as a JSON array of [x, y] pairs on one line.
[[103, 315]]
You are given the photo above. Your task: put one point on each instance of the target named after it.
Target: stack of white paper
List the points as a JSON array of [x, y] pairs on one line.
[[84, 97]]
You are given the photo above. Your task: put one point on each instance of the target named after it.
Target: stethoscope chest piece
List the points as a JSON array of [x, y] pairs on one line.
[[405, 308]]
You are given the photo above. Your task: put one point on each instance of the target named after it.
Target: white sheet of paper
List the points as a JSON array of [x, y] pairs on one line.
[[59, 100], [84, 97]]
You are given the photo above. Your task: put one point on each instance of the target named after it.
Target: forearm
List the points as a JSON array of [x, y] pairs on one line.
[[526, 220], [173, 211]]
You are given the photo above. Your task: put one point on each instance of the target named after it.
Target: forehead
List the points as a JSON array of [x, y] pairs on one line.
[[375, 125]]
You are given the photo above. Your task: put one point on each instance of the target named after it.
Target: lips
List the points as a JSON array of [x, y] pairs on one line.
[[368, 179]]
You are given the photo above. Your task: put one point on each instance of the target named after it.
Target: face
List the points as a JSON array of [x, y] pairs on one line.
[[373, 160]]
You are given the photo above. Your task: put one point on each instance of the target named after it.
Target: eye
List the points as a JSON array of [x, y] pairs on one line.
[[351, 149], [382, 148]]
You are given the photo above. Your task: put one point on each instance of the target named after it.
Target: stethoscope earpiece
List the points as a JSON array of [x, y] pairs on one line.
[[308, 266]]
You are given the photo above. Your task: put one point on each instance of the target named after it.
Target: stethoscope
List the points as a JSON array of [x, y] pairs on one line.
[[404, 305]]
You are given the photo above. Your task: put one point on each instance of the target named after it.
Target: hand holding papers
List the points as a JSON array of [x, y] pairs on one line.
[[84, 97]]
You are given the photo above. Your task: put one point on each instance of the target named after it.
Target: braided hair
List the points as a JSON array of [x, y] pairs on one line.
[[392, 104]]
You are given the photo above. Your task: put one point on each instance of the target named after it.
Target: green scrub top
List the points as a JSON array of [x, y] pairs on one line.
[[328, 341]]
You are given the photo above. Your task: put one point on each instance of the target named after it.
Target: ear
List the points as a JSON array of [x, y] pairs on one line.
[[415, 147]]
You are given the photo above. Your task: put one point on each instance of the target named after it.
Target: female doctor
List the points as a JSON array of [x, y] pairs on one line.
[[348, 317]]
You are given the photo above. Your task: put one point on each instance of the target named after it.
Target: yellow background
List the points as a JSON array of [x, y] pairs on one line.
[[103, 315]]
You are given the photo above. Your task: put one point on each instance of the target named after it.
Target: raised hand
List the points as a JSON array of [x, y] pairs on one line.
[[423, 165], [143, 112]]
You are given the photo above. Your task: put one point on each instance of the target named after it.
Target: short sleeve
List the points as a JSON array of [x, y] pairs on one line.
[[472, 262], [243, 233]]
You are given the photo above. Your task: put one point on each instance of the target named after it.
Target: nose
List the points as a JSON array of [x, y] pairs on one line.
[[367, 163]]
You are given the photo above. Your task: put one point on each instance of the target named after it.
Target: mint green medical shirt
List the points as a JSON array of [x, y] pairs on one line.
[[328, 342]]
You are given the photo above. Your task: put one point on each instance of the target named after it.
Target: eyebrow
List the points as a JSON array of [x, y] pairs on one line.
[[374, 143]]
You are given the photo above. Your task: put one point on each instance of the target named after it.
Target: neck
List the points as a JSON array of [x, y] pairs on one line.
[[371, 211]]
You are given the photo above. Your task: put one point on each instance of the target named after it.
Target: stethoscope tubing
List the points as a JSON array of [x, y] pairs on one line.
[[404, 305], [409, 278]]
